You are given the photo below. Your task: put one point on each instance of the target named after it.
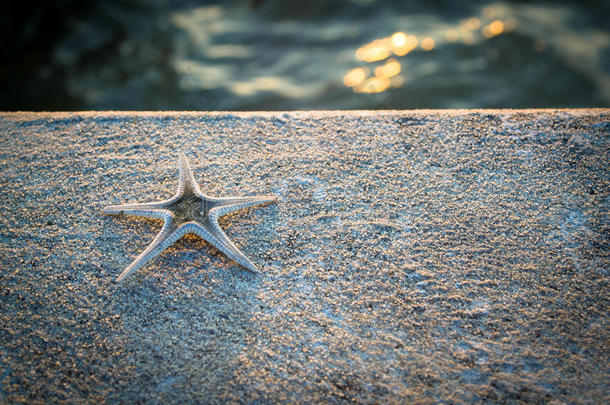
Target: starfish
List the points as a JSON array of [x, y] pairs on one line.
[[189, 211]]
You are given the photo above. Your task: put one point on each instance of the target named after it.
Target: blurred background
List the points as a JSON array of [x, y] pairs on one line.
[[304, 54]]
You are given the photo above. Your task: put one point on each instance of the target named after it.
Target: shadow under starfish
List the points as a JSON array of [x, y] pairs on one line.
[[189, 211]]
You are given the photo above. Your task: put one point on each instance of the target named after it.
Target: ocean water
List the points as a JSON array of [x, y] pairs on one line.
[[311, 54]]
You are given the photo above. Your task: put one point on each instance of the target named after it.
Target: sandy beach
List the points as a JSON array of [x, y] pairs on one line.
[[435, 256]]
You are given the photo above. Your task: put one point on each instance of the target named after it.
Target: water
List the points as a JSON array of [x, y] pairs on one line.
[[312, 54]]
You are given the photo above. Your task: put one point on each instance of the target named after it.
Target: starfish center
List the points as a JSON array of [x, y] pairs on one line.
[[191, 208]]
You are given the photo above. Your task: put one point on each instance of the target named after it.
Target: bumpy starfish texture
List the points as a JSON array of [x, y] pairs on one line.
[[189, 211]]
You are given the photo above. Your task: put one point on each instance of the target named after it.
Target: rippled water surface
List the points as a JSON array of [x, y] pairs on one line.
[[310, 54]]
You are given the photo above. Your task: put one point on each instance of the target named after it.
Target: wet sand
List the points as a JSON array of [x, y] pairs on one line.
[[451, 256]]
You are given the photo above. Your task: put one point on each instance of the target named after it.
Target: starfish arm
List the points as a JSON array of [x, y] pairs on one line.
[[150, 210], [216, 237], [186, 180], [227, 205], [168, 235]]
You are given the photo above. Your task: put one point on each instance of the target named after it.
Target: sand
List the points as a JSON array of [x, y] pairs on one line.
[[450, 256]]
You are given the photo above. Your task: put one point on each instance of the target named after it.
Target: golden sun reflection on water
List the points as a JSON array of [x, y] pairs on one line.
[[403, 43], [468, 31], [355, 76], [399, 43], [377, 50], [427, 44], [391, 68], [493, 29], [385, 76], [373, 85]]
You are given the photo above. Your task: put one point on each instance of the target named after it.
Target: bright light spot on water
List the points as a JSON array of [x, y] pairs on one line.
[[468, 31], [427, 44], [399, 39], [493, 29], [473, 23], [496, 27], [373, 85], [399, 43], [377, 50], [391, 68], [403, 44], [355, 76]]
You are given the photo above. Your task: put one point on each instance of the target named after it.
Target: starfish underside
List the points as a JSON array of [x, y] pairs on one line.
[[189, 211]]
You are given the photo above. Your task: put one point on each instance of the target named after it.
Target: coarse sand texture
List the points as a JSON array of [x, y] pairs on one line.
[[440, 256]]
